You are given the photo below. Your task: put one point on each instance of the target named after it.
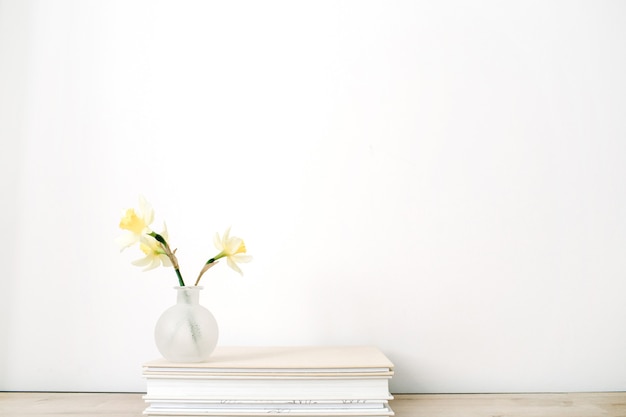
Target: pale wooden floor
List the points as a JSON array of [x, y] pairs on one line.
[[17, 404]]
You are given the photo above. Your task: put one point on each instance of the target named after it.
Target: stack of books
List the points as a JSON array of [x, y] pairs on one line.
[[260, 381]]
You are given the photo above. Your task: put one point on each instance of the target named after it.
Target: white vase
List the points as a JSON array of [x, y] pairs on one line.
[[186, 332]]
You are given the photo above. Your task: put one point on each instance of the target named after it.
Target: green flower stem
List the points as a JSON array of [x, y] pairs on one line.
[[180, 277], [170, 254]]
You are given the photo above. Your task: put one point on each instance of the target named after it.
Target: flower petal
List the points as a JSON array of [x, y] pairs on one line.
[[233, 265], [126, 239], [155, 263], [147, 213], [164, 233], [142, 262], [165, 260], [218, 242], [233, 245], [240, 257]]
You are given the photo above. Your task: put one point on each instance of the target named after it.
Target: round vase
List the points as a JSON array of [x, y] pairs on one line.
[[186, 332]]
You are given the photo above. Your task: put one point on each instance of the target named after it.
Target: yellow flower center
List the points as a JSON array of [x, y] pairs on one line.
[[132, 222], [151, 250], [145, 249], [241, 249]]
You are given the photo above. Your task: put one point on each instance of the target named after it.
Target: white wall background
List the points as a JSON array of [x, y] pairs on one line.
[[445, 180]]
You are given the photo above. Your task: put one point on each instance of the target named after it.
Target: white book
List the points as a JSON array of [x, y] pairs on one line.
[[200, 403], [386, 412], [270, 389], [196, 373], [309, 360], [308, 381]]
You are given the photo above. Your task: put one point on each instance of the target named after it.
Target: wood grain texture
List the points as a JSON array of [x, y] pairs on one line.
[[511, 405], [38, 404]]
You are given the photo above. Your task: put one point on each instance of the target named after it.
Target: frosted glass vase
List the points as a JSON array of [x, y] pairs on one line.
[[186, 332]]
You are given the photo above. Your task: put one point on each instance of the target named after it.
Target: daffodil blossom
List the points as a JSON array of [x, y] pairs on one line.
[[232, 248], [136, 229], [135, 224], [156, 254]]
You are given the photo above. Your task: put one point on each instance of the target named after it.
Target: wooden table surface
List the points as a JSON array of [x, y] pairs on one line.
[[35, 404]]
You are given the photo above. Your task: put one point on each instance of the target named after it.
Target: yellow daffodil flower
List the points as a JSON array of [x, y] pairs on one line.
[[135, 224], [231, 248], [156, 255]]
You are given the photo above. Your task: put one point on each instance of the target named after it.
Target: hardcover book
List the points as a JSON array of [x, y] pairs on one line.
[[307, 381]]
